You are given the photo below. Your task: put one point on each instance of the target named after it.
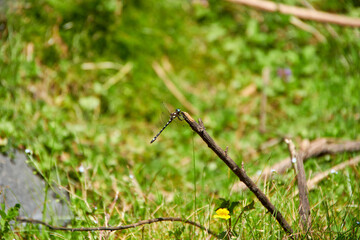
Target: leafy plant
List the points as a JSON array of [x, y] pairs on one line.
[[6, 218]]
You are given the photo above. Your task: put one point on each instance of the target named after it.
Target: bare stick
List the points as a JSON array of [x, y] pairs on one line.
[[299, 12], [149, 221], [297, 161], [316, 148], [239, 172]]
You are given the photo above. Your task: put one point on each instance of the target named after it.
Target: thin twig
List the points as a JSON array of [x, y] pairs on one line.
[[293, 154], [303, 13], [239, 172], [304, 207], [143, 222]]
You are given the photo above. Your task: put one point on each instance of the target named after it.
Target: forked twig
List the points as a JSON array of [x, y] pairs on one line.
[[143, 222], [239, 172]]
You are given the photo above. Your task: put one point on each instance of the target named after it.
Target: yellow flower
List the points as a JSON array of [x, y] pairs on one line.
[[222, 213]]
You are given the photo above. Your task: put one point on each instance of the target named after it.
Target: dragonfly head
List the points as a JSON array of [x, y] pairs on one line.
[[178, 110]]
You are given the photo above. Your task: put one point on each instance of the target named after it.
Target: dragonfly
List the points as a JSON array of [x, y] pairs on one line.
[[173, 116]]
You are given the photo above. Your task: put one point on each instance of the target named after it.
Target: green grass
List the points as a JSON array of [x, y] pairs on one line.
[[72, 117]]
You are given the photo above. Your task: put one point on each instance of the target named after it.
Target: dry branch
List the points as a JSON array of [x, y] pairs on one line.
[[239, 172], [149, 221], [320, 176], [316, 148], [303, 13]]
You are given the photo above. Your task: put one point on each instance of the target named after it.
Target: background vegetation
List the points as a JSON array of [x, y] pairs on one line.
[[90, 126]]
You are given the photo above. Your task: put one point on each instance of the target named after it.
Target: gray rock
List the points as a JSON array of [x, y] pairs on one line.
[[19, 184]]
